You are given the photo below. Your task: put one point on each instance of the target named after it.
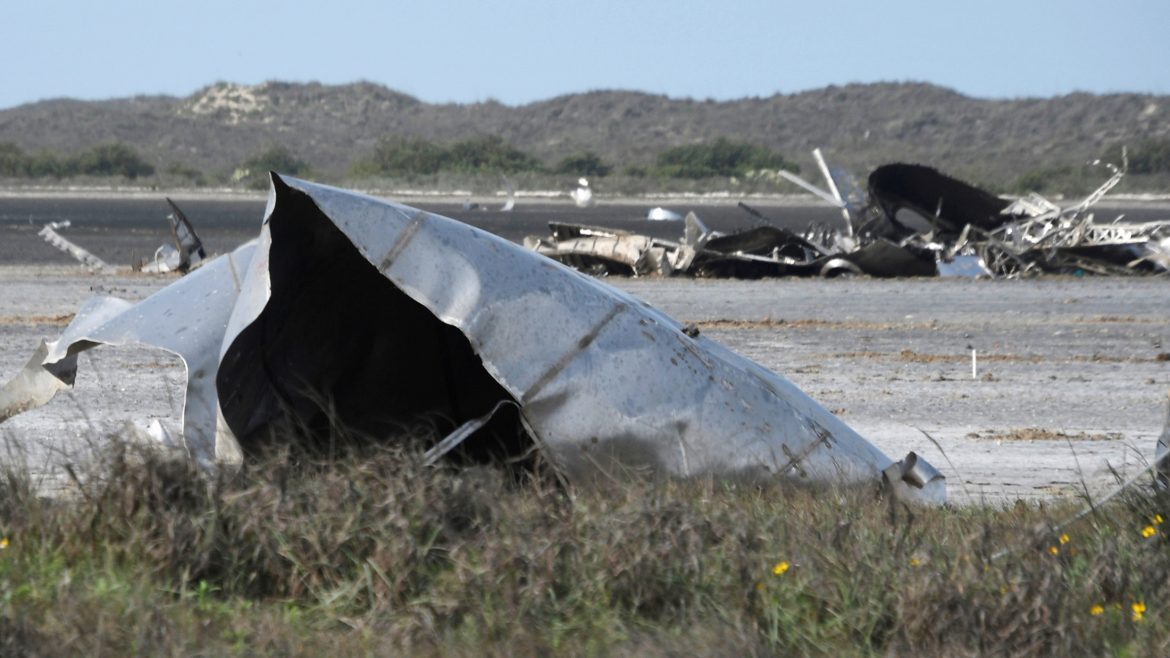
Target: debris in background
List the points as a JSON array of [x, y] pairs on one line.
[[509, 201], [183, 253], [582, 195], [50, 234], [185, 250], [914, 221], [354, 311], [660, 214]]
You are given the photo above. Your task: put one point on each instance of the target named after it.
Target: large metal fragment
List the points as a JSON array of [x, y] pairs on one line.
[[187, 318], [362, 312]]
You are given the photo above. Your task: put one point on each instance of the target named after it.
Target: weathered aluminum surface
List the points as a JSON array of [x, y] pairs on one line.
[[600, 377], [187, 318], [594, 369]]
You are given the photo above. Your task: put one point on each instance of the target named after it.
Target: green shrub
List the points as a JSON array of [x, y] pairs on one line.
[[278, 159], [1150, 157], [107, 160], [1041, 181], [112, 160], [720, 158], [414, 156], [407, 156], [489, 154], [193, 175], [254, 171], [585, 163], [13, 161]]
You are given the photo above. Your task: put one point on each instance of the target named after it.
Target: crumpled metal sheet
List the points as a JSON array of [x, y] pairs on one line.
[[600, 378], [187, 318]]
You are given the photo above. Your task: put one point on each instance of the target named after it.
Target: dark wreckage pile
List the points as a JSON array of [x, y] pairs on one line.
[[911, 221]]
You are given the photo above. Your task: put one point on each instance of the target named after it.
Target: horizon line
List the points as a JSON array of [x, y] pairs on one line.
[[489, 100]]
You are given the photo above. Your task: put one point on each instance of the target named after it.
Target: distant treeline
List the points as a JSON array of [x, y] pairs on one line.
[[101, 160], [407, 157], [412, 157]]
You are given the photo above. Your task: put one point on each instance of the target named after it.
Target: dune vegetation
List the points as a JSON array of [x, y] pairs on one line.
[[357, 549]]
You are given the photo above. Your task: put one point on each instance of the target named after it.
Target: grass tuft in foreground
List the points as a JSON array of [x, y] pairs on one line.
[[367, 551]]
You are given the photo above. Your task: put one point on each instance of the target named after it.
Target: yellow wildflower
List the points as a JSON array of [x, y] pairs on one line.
[[1149, 531], [915, 562], [1097, 609], [3, 543], [1064, 538], [1054, 550], [1158, 519], [1139, 610], [780, 569]]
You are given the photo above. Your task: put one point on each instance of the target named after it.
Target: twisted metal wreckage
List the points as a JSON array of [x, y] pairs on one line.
[[953, 229], [369, 313], [184, 252]]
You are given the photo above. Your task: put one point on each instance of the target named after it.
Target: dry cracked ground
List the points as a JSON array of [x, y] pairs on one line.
[[1070, 389]]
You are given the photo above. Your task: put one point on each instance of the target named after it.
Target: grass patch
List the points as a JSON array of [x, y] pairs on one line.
[[1042, 434], [366, 551]]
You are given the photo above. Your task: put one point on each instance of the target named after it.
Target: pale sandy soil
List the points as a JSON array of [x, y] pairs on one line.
[[1071, 386]]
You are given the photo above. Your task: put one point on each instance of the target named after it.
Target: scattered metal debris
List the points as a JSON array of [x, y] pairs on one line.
[[185, 250], [660, 214], [504, 351], [510, 191], [914, 221], [763, 251], [509, 202], [582, 195], [50, 234], [1028, 236]]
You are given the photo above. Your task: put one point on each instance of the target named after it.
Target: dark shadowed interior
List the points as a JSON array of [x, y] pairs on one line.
[[339, 346], [946, 202]]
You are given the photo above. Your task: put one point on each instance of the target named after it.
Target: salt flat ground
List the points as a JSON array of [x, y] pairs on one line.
[[1070, 392]]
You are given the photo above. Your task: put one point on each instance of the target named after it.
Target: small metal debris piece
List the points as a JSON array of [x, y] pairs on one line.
[[582, 195], [50, 234], [660, 214], [187, 250]]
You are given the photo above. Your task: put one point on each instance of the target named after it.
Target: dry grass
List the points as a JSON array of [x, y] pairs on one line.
[[911, 356], [366, 551], [53, 320], [1042, 434]]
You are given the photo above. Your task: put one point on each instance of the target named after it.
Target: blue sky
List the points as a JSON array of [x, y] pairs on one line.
[[526, 50]]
